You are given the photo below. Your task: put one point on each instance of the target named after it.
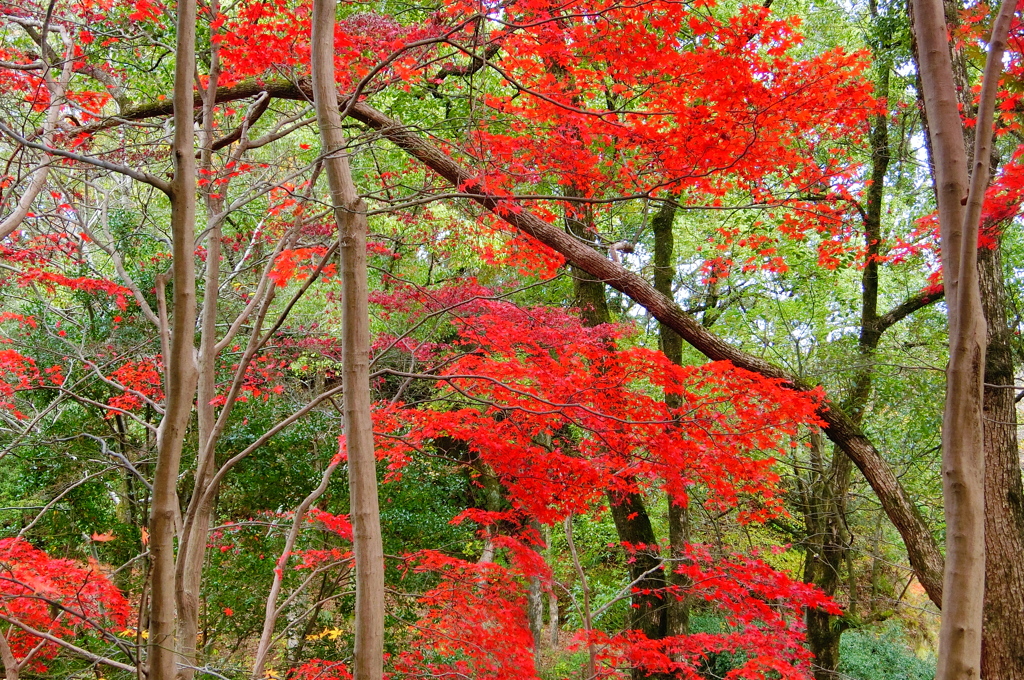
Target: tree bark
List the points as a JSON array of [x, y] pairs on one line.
[[350, 213], [632, 523], [553, 625], [181, 374], [12, 669], [535, 615], [963, 436], [1002, 652], [197, 518], [823, 505], [677, 602]]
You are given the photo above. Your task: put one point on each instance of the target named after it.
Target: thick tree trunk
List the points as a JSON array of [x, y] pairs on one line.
[[350, 213], [12, 669], [181, 374], [1002, 650], [632, 523], [823, 504]]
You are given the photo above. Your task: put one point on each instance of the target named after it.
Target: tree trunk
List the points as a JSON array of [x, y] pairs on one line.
[[1002, 651], [12, 669], [350, 213], [196, 521], [827, 544], [535, 614], [1002, 655], [181, 374], [553, 625], [632, 523], [677, 602], [963, 435]]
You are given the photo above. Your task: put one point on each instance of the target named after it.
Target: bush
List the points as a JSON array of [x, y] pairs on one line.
[[881, 654]]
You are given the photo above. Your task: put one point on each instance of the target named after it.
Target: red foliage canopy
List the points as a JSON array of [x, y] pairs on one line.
[[55, 596]]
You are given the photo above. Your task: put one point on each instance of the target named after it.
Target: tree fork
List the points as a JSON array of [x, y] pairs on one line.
[[963, 436]]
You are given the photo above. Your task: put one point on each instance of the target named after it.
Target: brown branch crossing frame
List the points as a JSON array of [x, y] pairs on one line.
[[922, 549]]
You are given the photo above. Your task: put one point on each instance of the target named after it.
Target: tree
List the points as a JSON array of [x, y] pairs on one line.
[[49, 602], [350, 214], [963, 429]]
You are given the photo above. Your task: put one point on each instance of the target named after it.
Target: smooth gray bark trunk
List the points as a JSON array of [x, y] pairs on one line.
[[350, 213], [963, 426]]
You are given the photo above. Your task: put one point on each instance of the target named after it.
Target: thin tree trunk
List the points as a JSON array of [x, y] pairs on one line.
[[181, 374], [963, 430], [271, 612], [350, 213], [196, 522], [587, 623], [12, 669], [56, 88], [677, 602], [824, 509], [535, 615], [553, 625]]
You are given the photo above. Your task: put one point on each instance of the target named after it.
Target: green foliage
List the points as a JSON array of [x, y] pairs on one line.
[[881, 655]]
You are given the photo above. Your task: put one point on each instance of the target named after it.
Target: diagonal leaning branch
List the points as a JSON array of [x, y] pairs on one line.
[[922, 549], [921, 546]]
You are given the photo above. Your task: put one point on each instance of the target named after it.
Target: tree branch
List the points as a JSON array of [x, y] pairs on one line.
[[84, 653], [137, 175]]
